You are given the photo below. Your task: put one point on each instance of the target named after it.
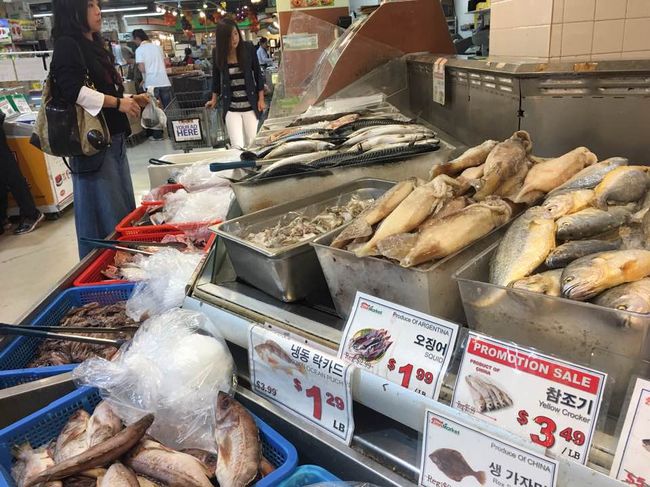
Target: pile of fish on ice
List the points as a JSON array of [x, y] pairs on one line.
[[587, 241], [97, 450], [348, 140], [417, 222]]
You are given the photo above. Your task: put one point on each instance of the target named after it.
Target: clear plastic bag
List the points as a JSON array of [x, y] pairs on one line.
[[200, 206], [166, 274], [174, 367], [198, 176], [151, 114]]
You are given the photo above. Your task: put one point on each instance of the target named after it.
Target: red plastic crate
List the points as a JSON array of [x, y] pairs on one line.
[[92, 275], [161, 191], [125, 227]]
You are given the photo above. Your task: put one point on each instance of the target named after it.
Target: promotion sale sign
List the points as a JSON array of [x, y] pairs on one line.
[[553, 403]]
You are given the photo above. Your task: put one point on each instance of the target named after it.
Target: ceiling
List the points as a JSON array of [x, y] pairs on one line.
[[231, 5]]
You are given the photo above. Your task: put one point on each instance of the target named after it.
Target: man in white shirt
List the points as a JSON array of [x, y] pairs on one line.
[[151, 63], [262, 53]]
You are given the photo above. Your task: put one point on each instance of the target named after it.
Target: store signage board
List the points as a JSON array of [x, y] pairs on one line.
[[20, 103], [187, 130], [456, 454], [439, 80], [303, 379], [6, 108], [403, 346], [546, 400], [632, 459]]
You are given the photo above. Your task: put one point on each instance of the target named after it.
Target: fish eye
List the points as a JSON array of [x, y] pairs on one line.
[[568, 279], [622, 307]]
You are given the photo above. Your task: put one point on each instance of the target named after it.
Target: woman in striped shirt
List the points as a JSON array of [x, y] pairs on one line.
[[239, 81]]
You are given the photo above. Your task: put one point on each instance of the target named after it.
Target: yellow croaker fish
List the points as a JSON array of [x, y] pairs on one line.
[[563, 204], [622, 185], [118, 475], [545, 283], [456, 231], [548, 175], [472, 157], [103, 424], [524, 247], [73, 439], [382, 207], [589, 276], [590, 176], [632, 296], [503, 162], [416, 207], [239, 453]]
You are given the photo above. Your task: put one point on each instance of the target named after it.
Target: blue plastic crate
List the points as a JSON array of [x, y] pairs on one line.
[[46, 424], [21, 350], [308, 475]]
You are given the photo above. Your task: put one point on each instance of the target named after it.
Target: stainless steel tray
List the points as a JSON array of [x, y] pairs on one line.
[[609, 340], [289, 273], [257, 195], [429, 289]]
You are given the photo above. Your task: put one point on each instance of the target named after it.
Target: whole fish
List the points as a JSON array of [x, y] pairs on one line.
[[168, 466], [592, 175], [545, 283], [273, 354], [300, 158], [563, 204], [239, 452], [472, 157], [118, 475], [548, 175], [299, 147], [587, 277], [377, 131], [632, 296], [589, 222], [416, 207], [73, 438], [103, 424], [566, 253], [454, 466], [456, 231], [209, 460], [373, 143], [525, 246], [503, 162], [622, 185], [471, 173], [382, 207], [98, 455], [399, 145], [30, 463]]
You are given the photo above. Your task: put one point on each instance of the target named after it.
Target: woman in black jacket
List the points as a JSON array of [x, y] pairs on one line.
[[103, 192], [238, 79]]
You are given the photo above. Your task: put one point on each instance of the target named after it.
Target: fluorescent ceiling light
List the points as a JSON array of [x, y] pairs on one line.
[[36, 16], [147, 14], [124, 9]]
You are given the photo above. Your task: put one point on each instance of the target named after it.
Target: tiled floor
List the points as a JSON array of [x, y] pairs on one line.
[[30, 265]]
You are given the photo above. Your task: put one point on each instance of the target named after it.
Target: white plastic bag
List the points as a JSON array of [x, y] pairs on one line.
[[200, 206], [166, 273], [198, 176], [171, 370], [151, 114]]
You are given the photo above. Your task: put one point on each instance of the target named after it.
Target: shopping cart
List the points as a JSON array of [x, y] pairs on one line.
[[192, 126]]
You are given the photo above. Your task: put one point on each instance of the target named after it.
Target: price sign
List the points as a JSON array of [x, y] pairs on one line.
[[302, 379], [551, 402], [457, 455], [439, 80], [187, 130], [631, 462], [406, 347], [6, 108]]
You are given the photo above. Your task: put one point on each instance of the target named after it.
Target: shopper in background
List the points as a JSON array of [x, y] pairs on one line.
[[238, 79], [103, 192], [188, 57], [12, 179], [263, 53], [151, 62]]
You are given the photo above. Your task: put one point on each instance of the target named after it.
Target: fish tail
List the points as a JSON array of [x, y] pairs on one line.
[[481, 477]]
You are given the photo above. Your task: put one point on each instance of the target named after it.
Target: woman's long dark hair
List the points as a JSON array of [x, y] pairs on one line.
[[70, 18], [224, 31]]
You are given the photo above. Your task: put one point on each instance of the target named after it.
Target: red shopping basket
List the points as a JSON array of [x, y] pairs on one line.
[[158, 193], [126, 228], [92, 275]]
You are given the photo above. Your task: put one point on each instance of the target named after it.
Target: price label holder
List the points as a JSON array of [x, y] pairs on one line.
[[401, 345], [553, 403], [302, 378], [631, 464], [456, 454], [439, 80]]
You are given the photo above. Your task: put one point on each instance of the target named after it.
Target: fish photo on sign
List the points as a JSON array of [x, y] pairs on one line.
[[453, 465], [275, 357]]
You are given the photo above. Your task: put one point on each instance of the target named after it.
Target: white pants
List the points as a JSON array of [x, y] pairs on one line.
[[242, 127]]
